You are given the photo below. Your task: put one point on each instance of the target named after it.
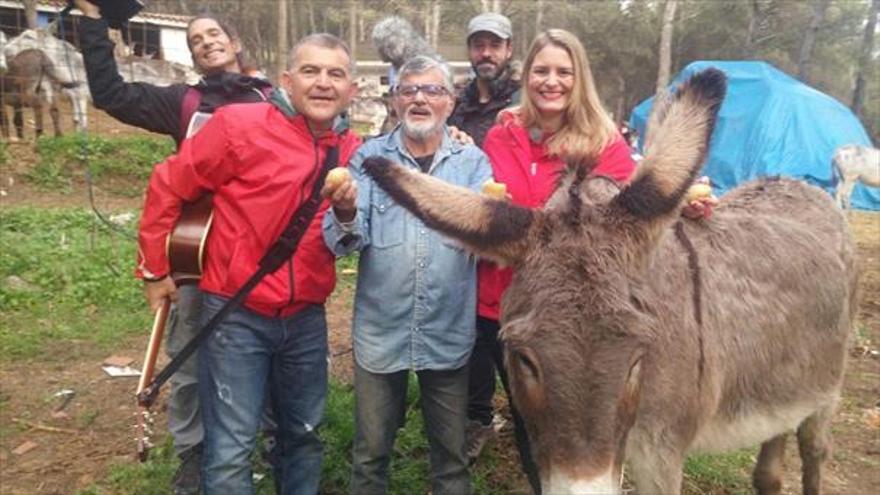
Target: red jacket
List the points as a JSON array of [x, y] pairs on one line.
[[261, 165], [531, 176]]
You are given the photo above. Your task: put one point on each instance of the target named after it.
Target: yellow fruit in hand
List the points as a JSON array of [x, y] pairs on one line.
[[495, 190], [698, 191], [337, 177]]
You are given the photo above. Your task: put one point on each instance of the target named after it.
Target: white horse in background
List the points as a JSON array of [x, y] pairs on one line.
[[68, 65], [853, 164]]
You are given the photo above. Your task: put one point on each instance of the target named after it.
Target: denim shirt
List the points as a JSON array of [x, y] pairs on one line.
[[416, 298]]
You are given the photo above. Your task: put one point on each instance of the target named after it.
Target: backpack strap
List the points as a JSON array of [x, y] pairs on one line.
[[191, 99]]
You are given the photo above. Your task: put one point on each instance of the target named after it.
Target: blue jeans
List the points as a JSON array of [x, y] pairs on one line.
[[247, 353], [380, 403]]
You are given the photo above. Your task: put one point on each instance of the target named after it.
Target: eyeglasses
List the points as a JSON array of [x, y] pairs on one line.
[[431, 91]]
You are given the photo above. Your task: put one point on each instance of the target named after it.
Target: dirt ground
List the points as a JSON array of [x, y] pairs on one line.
[[75, 449]]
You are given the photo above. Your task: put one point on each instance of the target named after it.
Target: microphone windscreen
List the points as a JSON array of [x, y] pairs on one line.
[[397, 41]]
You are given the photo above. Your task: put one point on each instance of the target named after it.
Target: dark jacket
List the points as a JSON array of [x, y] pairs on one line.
[[477, 118], [150, 107]]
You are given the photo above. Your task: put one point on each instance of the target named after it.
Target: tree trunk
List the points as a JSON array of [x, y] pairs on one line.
[[30, 13], [352, 25], [804, 60], [864, 58], [283, 44], [293, 21], [620, 107], [539, 15], [426, 21], [485, 6], [665, 50], [754, 14], [496, 6], [313, 28], [435, 24]]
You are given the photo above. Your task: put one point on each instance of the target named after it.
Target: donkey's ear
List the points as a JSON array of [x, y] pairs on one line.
[[490, 228], [676, 146]]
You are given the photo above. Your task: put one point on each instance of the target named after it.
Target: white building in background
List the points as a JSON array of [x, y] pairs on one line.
[[162, 36]]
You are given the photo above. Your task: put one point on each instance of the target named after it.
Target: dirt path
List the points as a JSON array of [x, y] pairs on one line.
[[69, 451]]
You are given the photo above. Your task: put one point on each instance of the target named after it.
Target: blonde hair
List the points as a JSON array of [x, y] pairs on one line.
[[586, 128]]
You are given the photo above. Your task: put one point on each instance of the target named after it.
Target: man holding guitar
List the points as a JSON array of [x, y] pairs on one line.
[[261, 161], [216, 53]]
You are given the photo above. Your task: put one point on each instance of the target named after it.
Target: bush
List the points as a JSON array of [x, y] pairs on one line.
[[61, 159]]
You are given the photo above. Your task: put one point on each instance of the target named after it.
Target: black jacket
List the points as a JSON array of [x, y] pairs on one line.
[[154, 108], [477, 118]]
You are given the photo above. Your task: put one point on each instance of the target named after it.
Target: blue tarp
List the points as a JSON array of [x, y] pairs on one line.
[[772, 124]]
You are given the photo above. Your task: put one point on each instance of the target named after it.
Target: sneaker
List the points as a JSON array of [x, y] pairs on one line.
[[477, 435], [188, 477]]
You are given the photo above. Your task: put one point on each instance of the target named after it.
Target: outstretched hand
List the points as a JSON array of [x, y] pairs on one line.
[[700, 200], [342, 195], [88, 8]]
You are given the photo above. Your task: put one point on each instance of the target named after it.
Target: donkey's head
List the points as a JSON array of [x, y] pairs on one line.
[[576, 319]]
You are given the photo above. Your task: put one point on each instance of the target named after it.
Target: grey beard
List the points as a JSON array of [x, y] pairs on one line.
[[421, 132]]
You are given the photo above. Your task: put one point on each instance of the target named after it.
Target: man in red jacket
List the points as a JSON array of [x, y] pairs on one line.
[[260, 161]]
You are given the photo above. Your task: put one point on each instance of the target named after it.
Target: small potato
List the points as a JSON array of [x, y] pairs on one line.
[[495, 190], [337, 177], [698, 191]]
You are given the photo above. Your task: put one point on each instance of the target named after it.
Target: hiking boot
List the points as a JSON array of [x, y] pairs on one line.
[[187, 479], [477, 435]]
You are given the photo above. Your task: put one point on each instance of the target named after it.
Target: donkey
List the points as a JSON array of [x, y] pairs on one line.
[[853, 164], [68, 65], [633, 335], [30, 82]]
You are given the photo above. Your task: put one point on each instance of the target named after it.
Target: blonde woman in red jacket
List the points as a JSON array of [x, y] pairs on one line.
[[560, 119]]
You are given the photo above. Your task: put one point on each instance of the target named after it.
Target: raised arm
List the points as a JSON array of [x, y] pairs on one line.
[[150, 107]]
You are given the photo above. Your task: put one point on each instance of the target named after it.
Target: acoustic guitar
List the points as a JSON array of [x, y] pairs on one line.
[[186, 243], [185, 247]]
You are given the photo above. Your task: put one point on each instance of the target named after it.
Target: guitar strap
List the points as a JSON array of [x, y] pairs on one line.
[[278, 253]]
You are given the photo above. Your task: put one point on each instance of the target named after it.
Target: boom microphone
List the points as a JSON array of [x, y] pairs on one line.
[[397, 41]]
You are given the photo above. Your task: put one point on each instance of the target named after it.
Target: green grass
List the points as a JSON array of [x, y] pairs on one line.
[[66, 283], [731, 470], [132, 158], [64, 279]]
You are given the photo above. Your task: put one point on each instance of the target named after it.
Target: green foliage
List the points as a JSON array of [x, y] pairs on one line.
[[64, 278], [346, 271], [4, 153], [149, 478], [730, 470], [63, 158], [409, 463]]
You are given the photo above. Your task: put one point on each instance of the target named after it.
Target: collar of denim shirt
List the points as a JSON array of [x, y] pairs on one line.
[[448, 146]]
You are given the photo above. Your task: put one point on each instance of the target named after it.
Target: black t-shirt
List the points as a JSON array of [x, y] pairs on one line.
[[425, 162]]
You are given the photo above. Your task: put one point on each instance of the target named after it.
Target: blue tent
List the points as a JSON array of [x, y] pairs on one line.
[[773, 124]]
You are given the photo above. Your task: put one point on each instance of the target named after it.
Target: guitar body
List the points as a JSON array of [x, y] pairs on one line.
[[186, 243]]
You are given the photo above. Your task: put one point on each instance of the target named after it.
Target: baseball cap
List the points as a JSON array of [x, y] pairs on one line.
[[491, 22]]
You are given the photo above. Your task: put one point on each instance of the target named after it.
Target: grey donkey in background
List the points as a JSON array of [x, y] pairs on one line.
[[633, 336]]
